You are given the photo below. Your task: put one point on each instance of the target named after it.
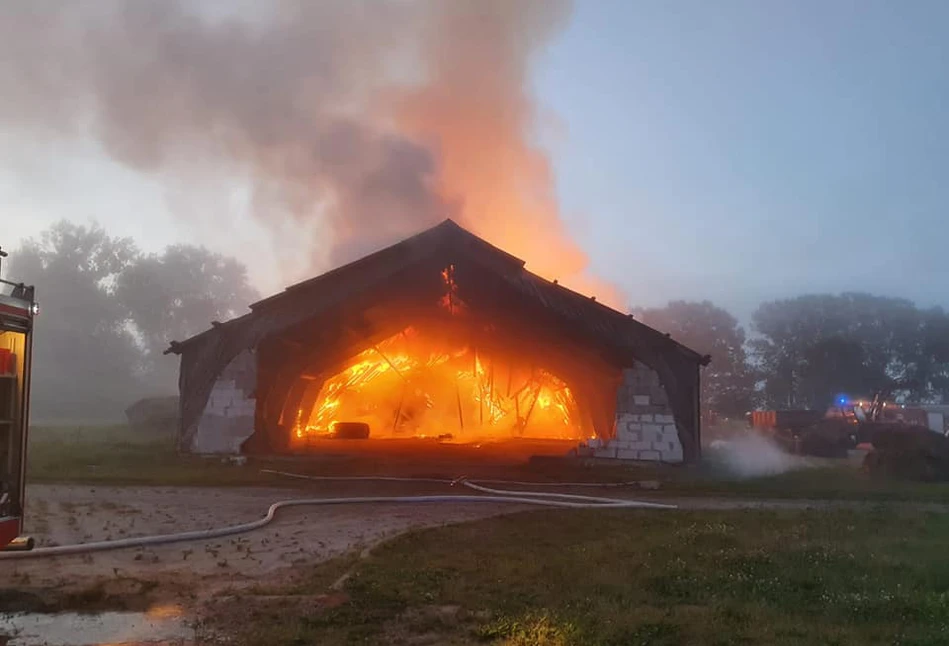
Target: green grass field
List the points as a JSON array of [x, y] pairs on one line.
[[614, 578], [114, 455]]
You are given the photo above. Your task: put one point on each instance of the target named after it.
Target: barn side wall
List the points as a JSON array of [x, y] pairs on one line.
[[228, 417], [645, 425]]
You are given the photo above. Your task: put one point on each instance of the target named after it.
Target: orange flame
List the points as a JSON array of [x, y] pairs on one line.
[[409, 386], [450, 299]]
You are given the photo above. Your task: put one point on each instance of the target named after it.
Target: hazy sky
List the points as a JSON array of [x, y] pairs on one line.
[[744, 150], [736, 151]]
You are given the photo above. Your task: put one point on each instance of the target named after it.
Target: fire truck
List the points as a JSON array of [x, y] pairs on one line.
[[18, 309]]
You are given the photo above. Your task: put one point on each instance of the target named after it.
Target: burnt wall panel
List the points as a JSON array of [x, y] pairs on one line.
[[228, 416]]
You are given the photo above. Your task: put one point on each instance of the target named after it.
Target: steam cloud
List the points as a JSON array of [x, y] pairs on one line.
[[752, 456], [359, 120]]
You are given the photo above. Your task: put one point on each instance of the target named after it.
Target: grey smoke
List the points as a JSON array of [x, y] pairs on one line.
[[288, 94]]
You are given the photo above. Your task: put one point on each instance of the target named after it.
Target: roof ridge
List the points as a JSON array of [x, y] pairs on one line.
[[435, 235]]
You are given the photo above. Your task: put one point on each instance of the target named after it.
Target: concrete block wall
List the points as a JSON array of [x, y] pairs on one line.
[[641, 387], [228, 417], [645, 426]]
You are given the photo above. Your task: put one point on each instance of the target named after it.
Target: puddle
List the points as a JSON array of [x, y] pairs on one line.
[[161, 623]]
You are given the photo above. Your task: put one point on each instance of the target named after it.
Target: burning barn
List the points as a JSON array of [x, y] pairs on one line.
[[441, 335]]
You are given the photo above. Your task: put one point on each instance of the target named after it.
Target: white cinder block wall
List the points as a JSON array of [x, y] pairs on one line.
[[228, 417], [645, 426]]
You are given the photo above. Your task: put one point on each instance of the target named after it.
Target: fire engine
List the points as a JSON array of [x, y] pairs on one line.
[[18, 309]]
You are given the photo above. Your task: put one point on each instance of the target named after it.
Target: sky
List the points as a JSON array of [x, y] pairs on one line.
[[743, 151], [732, 151]]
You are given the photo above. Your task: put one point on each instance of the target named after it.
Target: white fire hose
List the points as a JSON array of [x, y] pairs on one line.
[[543, 499]]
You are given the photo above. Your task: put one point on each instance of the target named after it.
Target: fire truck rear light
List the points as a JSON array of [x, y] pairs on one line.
[[35, 309]]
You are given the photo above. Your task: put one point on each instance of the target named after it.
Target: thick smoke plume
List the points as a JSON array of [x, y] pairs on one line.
[[355, 122]]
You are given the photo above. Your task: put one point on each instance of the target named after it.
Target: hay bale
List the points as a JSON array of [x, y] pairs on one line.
[[908, 452], [153, 415]]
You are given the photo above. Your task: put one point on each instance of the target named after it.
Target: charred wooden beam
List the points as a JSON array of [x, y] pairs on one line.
[[461, 416], [375, 346]]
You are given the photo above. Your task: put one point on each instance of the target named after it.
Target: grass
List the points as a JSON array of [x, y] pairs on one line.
[[593, 578], [832, 482], [115, 455]]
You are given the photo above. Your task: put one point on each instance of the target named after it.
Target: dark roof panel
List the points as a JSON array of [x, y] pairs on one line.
[[308, 298]]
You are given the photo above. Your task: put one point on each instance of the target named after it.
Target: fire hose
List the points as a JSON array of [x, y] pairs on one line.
[[543, 499]]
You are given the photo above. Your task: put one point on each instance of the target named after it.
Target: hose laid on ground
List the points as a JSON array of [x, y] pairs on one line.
[[498, 496], [287, 474], [477, 485], [589, 501]]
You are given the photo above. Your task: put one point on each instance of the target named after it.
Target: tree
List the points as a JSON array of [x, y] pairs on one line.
[[86, 361], [834, 366], [813, 347], [922, 367], [728, 384], [176, 295], [108, 312]]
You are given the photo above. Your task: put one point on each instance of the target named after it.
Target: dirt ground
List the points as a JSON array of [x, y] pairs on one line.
[[67, 514], [192, 571]]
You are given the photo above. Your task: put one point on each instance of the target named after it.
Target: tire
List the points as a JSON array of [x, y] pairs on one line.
[[350, 430]]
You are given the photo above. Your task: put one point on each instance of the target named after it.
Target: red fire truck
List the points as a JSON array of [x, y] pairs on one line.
[[17, 310]]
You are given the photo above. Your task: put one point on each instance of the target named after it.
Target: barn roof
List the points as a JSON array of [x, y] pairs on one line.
[[311, 297]]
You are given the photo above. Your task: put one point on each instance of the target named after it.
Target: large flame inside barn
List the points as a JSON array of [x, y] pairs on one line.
[[440, 336], [426, 380], [418, 384]]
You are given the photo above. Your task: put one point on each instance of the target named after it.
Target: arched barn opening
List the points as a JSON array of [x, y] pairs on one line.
[[439, 337]]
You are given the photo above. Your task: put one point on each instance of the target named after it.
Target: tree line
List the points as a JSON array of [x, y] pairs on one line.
[[109, 310], [805, 351]]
